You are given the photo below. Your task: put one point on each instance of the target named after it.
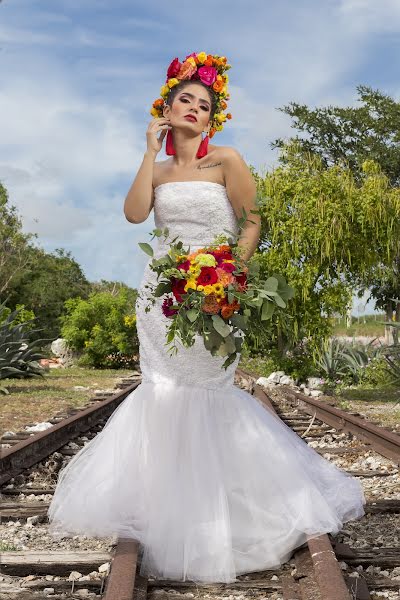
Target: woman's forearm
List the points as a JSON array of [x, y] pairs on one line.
[[248, 240], [138, 200]]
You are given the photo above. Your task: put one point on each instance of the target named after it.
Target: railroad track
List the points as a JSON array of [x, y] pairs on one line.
[[346, 567]]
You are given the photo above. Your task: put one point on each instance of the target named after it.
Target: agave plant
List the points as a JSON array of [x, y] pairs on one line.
[[337, 359], [392, 356], [19, 355], [330, 359], [356, 360]]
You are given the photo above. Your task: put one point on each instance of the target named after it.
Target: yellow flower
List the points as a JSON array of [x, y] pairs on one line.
[[164, 90], [201, 57], [172, 81], [218, 287], [154, 112], [219, 127], [192, 61], [191, 284], [208, 289], [129, 320], [221, 117], [200, 288]]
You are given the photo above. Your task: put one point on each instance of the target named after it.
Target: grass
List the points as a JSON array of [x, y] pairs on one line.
[[257, 365], [369, 329], [380, 404], [35, 400]]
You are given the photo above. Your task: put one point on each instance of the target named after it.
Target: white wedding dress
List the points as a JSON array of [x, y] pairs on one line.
[[210, 482]]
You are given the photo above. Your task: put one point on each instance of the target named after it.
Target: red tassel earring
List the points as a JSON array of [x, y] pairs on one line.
[[203, 148], [169, 146]]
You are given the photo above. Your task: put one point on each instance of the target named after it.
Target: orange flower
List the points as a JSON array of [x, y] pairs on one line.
[[210, 304], [218, 85], [223, 104], [224, 278], [186, 71], [228, 116], [226, 311], [158, 102], [209, 61], [212, 132]]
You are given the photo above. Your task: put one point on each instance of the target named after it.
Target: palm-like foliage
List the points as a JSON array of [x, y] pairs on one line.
[[392, 356], [336, 359], [19, 355]]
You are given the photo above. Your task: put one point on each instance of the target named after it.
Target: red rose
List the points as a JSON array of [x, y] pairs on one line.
[[208, 276], [173, 68], [184, 266], [178, 288], [226, 255], [242, 280], [228, 267]]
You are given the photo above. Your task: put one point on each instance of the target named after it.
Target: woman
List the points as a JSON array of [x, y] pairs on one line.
[[211, 483]]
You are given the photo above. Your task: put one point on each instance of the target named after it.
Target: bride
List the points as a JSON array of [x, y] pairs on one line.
[[211, 483]]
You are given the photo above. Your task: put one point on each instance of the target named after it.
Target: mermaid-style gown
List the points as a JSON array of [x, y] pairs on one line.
[[209, 481]]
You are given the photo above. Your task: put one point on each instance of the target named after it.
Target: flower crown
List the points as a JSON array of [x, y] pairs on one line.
[[210, 70]]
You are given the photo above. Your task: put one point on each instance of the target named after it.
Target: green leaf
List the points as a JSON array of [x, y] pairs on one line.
[[267, 311], [220, 326], [192, 314], [271, 284], [239, 321], [146, 248]]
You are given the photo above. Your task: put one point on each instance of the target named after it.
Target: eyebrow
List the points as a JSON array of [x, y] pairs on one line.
[[192, 96]]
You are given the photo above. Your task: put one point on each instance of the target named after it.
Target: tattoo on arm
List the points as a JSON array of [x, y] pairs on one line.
[[208, 166]]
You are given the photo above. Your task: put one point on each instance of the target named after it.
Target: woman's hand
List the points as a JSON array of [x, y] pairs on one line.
[[154, 143]]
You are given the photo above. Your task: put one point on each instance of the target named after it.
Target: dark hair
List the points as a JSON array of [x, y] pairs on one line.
[[185, 82]]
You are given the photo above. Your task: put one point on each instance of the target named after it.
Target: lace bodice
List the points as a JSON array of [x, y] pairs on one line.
[[195, 211]]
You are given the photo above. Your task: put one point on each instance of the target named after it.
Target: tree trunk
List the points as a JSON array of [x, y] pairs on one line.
[[389, 317]]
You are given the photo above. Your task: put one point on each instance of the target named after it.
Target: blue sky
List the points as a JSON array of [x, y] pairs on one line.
[[77, 79]]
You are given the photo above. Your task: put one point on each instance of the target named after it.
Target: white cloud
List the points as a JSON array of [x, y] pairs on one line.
[[73, 120], [371, 16]]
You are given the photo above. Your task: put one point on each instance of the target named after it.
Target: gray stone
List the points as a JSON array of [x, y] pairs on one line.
[[286, 380]]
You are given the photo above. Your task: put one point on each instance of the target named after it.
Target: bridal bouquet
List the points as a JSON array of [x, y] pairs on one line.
[[213, 293]]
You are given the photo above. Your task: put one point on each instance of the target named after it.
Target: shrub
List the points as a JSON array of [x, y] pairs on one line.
[[101, 327]]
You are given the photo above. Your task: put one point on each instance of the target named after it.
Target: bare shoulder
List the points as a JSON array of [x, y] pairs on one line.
[[222, 152], [230, 154]]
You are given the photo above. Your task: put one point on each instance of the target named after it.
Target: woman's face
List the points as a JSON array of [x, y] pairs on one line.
[[193, 100]]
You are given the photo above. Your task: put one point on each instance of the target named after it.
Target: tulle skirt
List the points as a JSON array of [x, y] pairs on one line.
[[209, 481]]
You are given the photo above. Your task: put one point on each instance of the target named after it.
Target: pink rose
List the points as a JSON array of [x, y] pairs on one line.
[[207, 75]]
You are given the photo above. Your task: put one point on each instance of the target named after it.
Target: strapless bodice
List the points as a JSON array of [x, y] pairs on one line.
[[195, 211]]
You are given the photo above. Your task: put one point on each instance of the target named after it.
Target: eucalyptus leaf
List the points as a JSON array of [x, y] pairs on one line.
[[146, 248], [192, 314], [220, 326], [271, 284], [267, 311]]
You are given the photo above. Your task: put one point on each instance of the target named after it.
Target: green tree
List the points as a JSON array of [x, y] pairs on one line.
[[351, 135], [322, 230], [49, 279], [14, 245]]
